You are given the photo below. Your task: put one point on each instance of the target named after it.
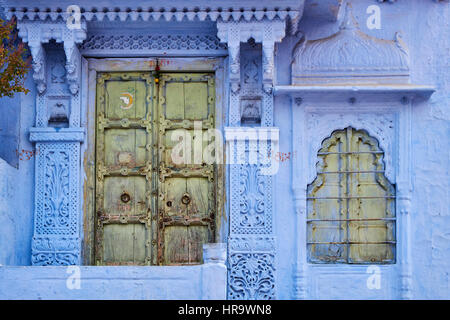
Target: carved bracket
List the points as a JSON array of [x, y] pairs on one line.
[[73, 66], [265, 32], [36, 33], [39, 65]]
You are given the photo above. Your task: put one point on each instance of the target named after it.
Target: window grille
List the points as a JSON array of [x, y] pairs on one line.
[[351, 204]]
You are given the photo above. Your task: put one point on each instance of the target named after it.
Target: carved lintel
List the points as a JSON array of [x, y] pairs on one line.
[[73, 65], [39, 65]]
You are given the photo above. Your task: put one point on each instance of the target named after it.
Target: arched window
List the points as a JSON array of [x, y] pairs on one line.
[[351, 204]]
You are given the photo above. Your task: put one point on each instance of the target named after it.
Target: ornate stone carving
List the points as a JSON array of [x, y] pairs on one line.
[[200, 11], [73, 66], [159, 42], [252, 276], [56, 218], [58, 111], [54, 251], [251, 72], [252, 244], [251, 111], [58, 72], [350, 55], [252, 267], [252, 201], [380, 125], [56, 238], [39, 65], [268, 67]]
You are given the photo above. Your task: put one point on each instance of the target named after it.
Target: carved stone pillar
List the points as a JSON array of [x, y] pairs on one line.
[[57, 69], [251, 250]]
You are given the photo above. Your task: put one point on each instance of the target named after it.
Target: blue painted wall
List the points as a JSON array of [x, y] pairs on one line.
[[425, 26], [17, 190], [426, 31]]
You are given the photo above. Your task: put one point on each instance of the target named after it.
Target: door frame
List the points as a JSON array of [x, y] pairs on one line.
[[90, 68]]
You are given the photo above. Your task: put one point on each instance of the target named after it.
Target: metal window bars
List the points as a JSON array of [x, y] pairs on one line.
[[364, 232]]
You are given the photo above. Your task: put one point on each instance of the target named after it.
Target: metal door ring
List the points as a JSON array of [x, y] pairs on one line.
[[185, 199]]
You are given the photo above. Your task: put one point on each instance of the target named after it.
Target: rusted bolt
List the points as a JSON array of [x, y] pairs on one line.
[[125, 197]]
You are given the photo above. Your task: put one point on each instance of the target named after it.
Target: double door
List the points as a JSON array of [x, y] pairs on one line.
[[152, 208]]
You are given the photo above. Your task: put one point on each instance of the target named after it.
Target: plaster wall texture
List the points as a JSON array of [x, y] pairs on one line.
[[426, 31], [425, 28], [16, 192], [113, 283]]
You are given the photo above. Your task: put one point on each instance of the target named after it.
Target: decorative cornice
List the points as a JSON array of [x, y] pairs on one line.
[[334, 91], [44, 31], [350, 55], [228, 10]]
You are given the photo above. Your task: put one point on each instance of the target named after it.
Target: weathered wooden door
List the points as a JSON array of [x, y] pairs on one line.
[[149, 209], [187, 189]]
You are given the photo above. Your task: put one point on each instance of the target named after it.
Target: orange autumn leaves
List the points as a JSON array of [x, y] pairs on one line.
[[14, 63]]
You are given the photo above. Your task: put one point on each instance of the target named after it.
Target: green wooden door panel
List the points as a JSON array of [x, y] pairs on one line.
[[125, 147], [198, 190], [187, 189], [183, 245], [175, 189], [174, 101], [122, 244], [117, 192], [196, 101], [125, 99], [124, 169]]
